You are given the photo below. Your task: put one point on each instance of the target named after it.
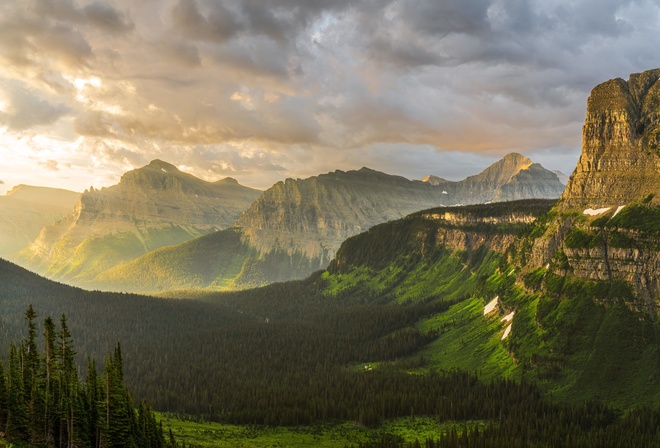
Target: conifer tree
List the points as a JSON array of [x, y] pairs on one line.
[[50, 367], [17, 421], [30, 376], [3, 397]]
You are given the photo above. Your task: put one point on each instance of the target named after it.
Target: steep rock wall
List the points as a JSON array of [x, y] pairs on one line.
[[620, 160]]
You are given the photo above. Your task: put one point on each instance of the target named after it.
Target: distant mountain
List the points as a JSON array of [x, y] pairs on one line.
[[512, 178], [25, 210], [563, 178], [151, 207], [296, 226]]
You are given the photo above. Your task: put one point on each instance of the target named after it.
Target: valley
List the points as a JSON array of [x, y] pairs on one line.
[[361, 309]]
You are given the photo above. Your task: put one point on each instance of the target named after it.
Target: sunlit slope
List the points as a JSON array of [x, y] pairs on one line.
[[25, 210], [151, 207], [219, 261]]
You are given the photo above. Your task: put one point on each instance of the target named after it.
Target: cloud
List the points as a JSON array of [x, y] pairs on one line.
[[26, 110], [219, 25], [291, 87], [51, 165], [98, 14]]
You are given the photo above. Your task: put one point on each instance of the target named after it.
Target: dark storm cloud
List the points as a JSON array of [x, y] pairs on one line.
[[219, 24], [96, 14], [444, 17]]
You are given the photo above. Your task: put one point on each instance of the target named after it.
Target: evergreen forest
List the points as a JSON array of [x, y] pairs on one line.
[[45, 402]]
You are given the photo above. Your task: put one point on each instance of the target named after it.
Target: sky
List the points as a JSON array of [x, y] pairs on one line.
[[265, 90]]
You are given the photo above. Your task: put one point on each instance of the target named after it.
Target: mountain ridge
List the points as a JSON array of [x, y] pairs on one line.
[[152, 206], [295, 227]]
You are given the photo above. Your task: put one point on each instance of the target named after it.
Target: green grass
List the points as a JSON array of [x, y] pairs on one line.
[[468, 341], [638, 217], [446, 275], [329, 435]]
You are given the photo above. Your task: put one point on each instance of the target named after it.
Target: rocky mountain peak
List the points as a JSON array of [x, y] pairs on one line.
[[500, 172], [620, 160], [503, 170], [162, 165], [228, 181], [434, 180], [157, 174]]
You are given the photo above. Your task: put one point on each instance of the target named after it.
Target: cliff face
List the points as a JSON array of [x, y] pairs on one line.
[[620, 160], [150, 207], [637, 265], [314, 216], [606, 222], [465, 229]]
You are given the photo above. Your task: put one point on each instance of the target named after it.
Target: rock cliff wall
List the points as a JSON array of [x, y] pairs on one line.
[[314, 216], [618, 171], [620, 160]]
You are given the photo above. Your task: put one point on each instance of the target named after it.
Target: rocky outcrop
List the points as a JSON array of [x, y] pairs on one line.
[[637, 265], [620, 160], [618, 171], [466, 229], [490, 226], [150, 207]]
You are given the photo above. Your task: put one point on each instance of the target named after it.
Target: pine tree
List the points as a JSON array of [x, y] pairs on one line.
[[119, 410], [92, 403], [31, 384], [17, 420], [69, 381], [3, 397], [49, 372]]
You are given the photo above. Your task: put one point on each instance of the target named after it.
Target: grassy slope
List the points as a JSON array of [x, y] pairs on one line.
[[194, 264], [218, 261], [577, 340]]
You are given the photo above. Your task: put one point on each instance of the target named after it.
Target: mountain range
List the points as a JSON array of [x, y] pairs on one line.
[[295, 227], [558, 296]]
